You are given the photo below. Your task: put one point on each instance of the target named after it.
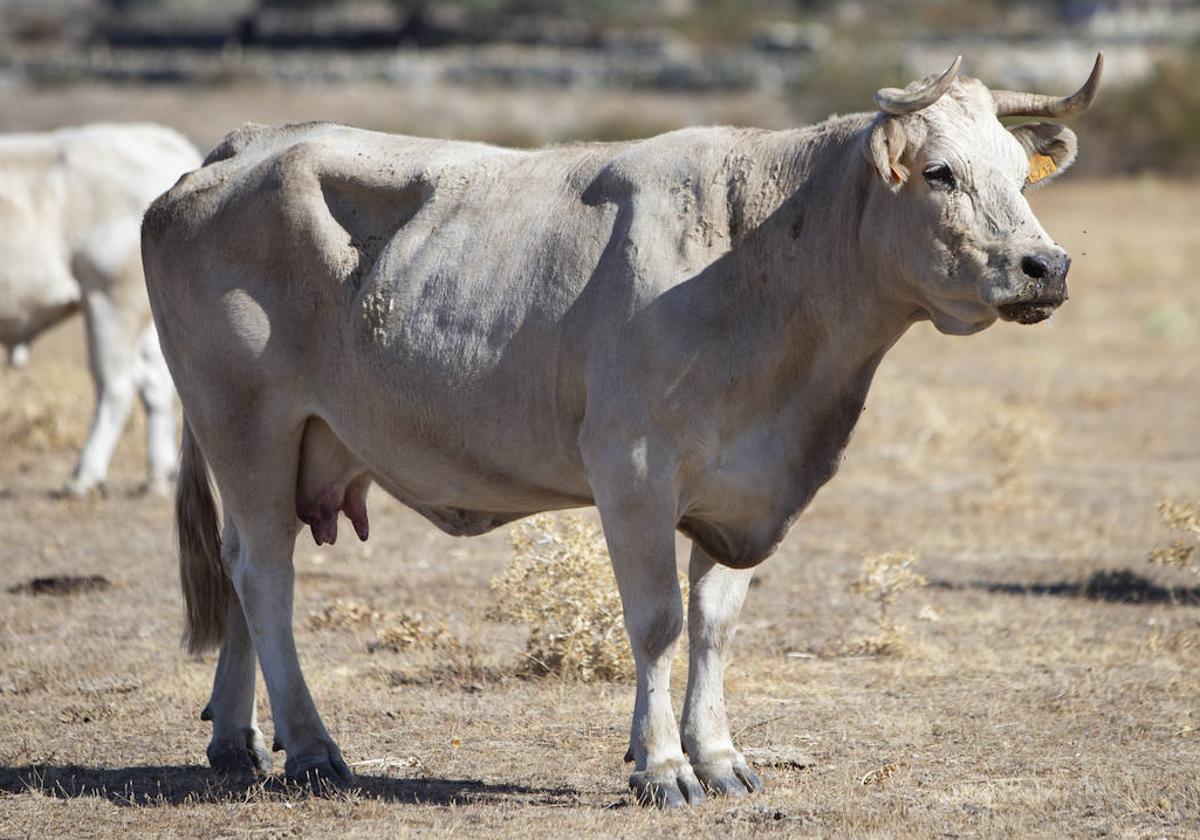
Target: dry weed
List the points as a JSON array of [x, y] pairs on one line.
[[405, 631], [881, 580], [1008, 437], [560, 583], [394, 631], [994, 441], [40, 409], [1179, 642], [345, 615], [1180, 518], [881, 774]]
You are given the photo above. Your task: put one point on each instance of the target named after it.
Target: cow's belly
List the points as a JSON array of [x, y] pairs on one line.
[[37, 302], [466, 464]]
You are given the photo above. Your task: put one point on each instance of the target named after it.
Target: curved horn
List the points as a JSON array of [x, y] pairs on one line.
[[1011, 103], [897, 101]]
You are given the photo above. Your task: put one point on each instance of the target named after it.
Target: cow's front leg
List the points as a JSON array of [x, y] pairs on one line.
[[714, 601], [641, 543], [111, 360]]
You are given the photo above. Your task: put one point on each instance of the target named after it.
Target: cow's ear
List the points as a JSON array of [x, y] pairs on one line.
[[1050, 147], [885, 144]]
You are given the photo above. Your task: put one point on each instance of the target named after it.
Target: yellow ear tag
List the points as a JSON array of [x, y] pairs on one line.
[[1041, 166]]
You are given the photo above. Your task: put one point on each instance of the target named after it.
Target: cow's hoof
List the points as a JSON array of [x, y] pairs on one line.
[[81, 489], [157, 487], [240, 756], [18, 356], [668, 785], [321, 770], [733, 779]]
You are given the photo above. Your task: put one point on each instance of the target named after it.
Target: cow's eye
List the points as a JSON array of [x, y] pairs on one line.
[[940, 177]]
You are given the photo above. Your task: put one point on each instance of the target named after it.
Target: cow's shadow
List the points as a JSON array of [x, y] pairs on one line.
[[1116, 586], [165, 785]]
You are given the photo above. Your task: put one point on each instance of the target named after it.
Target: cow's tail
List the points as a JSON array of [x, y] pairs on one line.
[[206, 588]]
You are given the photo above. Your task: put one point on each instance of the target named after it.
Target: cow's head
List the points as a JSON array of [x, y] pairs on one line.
[[951, 216]]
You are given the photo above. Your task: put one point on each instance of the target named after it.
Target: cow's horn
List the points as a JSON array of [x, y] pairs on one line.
[[1011, 103], [897, 101]]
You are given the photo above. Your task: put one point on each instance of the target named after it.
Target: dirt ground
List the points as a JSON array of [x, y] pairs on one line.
[[1047, 683]]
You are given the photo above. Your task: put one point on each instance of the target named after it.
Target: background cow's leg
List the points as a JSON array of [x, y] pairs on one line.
[[263, 577], [641, 542], [714, 601], [158, 397], [237, 743], [111, 360]]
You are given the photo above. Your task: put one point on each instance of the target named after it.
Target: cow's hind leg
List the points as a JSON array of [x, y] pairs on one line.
[[256, 468], [237, 744], [154, 385], [714, 601], [641, 543], [264, 578], [111, 359]]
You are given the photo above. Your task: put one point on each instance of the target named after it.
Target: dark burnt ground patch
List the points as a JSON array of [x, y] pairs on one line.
[[59, 585]]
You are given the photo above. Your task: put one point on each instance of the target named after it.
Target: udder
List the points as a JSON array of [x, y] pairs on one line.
[[331, 480]]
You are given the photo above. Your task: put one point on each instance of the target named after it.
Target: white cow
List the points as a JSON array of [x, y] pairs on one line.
[[680, 330], [71, 203]]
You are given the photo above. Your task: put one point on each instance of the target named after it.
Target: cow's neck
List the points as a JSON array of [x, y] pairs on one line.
[[822, 322], [827, 304]]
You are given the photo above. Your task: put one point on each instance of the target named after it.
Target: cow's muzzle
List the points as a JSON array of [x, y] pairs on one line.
[[1045, 277]]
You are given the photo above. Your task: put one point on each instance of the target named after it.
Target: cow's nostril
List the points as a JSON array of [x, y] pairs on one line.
[[1035, 267]]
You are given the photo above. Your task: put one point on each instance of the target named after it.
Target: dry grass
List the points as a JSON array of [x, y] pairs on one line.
[[1057, 694]]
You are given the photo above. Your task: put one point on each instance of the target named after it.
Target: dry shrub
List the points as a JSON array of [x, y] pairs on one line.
[[405, 631], [560, 584], [394, 631], [970, 432], [881, 580], [1008, 437], [881, 774], [40, 408], [1180, 518], [1183, 642], [346, 615]]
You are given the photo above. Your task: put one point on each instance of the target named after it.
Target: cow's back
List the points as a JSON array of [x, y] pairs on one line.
[[70, 205]]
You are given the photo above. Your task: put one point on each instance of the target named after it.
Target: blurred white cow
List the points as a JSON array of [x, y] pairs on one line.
[[71, 204]]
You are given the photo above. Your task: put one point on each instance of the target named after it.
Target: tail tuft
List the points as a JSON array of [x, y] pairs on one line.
[[206, 588]]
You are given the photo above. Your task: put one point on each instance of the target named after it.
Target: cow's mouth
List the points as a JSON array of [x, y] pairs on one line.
[[1028, 311]]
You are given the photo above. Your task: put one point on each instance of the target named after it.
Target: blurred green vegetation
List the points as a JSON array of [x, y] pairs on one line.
[[836, 53], [707, 21], [845, 81], [1149, 126]]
